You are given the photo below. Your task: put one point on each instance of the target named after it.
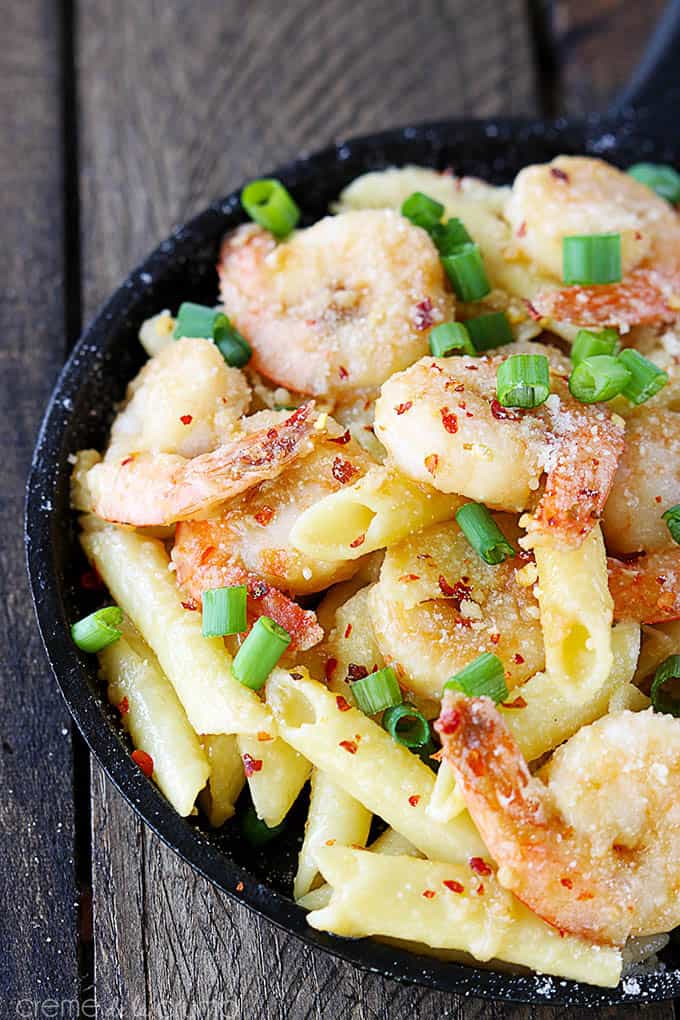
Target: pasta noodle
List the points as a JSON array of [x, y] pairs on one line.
[[276, 774], [227, 778]]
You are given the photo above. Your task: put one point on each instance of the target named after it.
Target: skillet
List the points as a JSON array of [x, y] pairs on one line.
[[80, 411]]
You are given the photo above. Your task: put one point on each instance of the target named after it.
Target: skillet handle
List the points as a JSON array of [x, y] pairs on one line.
[[656, 79]]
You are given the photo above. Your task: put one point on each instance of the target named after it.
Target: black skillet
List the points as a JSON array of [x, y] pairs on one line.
[[108, 355]]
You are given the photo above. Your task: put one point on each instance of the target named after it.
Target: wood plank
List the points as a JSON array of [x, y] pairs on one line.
[[179, 103], [38, 920]]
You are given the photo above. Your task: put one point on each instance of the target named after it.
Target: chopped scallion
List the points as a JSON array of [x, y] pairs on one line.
[[98, 630], [672, 519], [407, 726], [483, 534], [645, 378], [591, 258], [233, 347], [662, 179], [201, 321], [449, 236], [259, 653], [465, 269], [484, 676], [489, 331], [449, 338], [523, 380], [377, 691], [224, 611], [589, 344], [422, 210], [598, 378], [271, 205], [665, 692]]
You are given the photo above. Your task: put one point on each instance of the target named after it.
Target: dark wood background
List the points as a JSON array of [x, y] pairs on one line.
[[118, 119]]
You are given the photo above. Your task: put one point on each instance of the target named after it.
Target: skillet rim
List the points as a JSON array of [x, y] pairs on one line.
[[69, 667]]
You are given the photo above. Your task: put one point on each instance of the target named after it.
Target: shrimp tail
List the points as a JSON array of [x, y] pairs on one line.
[[641, 298], [646, 589]]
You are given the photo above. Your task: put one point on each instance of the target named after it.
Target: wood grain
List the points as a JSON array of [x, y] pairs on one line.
[[38, 931]]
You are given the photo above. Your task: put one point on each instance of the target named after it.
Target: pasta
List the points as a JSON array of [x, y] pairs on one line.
[[398, 517]]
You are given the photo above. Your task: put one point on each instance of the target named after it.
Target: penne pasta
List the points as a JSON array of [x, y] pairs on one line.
[[227, 777], [376, 511], [361, 757], [334, 817], [276, 773], [446, 906], [136, 571], [154, 718]]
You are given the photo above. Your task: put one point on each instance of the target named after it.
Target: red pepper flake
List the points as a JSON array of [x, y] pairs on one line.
[[449, 721], [472, 368], [264, 515], [356, 672], [240, 887], [348, 630], [90, 580], [518, 659], [429, 894], [144, 761], [522, 229], [258, 589], [186, 419], [342, 703], [567, 883], [341, 440], [349, 746], [432, 463], [535, 315], [251, 764], [414, 800], [585, 896], [449, 420], [453, 886], [359, 540], [444, 586], [494, 639], [559, 174], [123, 706], [403, 408], [657, 499], [422, 318], [191, 605], [343, 471], [329, 669], [480, 889], [409, 577], [262, 735], [503, 413], [127, 460], [479, 865], [343, 373], [519, 702], [330, 842]]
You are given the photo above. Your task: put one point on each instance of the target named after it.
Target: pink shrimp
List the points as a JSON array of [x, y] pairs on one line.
[[644, 297], [161, 488], [595, 850], [646, 587]]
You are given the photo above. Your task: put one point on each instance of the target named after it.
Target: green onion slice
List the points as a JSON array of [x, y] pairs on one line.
[[645, 378], [201, 321], [598, 378], [224, 611], [98, 630], [665, 692], [483, 534], [377, 691], [672, 519], [449, 236], [259, 653], [449, 338], [407, 726], [270, 204], [484, 676], [523, 380], [662, 179], [489, 331], [465, 269], [589, 344], [233, 347], [591, 258], [422, 210], [256, 832]]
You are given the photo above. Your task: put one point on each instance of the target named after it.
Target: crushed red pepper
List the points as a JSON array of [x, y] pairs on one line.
[[349, 746], [264, 515], [251, 765], [343, 471], [342, 703], [186, 419], [144, 761], [453, 886]]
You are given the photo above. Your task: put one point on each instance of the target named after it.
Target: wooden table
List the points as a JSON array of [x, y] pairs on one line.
[[120, 118]]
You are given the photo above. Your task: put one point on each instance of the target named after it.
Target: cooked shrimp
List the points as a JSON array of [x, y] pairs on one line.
[[161, 488], [580, 195], [254, 531], [441, 423], [647, 482], [646, 588], [595, 850], [185, 400], [438, 606], [341, 305]]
